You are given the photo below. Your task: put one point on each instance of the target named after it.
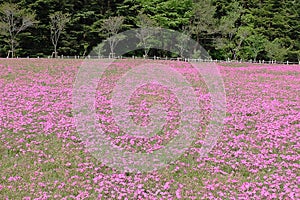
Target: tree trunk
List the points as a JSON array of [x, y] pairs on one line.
[[55, 51], [12, 48]]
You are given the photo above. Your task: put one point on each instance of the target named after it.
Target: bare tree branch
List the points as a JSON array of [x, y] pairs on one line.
[[13, 20], [111, 27], [58, 21], [145, 33]]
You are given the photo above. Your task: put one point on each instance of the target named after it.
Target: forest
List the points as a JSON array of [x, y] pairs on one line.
[[227, 29]]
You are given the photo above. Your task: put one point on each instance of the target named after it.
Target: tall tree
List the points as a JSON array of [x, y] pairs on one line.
[[13, 21], [228, 28], [242, 34], [254, 45], [203, 23], [111, 27], [145, 33], [275, 50], [276, 20], [58, 21], [183, 42]]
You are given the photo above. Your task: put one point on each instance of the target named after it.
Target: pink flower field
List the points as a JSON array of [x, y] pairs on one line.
[[42, 156]]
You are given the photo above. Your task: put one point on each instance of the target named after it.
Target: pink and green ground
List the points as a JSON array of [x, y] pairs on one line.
[[42, 156]]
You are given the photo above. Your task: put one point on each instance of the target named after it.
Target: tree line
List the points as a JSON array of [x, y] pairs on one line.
[[234, 29]]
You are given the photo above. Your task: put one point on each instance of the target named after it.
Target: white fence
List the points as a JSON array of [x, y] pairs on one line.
[[179, 59]]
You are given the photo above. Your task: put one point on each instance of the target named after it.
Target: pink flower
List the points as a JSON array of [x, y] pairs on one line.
[[178, 193], [167, 186]]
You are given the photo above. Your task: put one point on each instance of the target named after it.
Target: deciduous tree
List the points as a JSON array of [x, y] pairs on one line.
[[58, 21], [146, 33], [111, 27], [13, 20]]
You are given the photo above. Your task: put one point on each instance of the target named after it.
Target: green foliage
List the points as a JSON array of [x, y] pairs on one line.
[[254, 45], [236, 29], [171, 14], [275, 50], [203, 24]]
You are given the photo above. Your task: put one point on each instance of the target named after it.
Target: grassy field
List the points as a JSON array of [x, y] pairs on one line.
[[42, 156]]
